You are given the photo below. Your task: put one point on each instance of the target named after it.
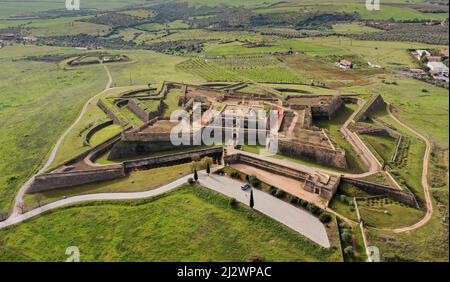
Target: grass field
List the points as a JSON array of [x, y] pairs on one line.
[[353, 28], [133, 231], [30, 7], [386, 213], [384, 146], [149, 66], [56, 27], [34, 96], [387, 54]]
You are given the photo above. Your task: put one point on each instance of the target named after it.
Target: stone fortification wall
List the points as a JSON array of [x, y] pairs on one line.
[[94, 130], [318, 154], [51, 181], [109, 113], [215, 153], [378, 189]]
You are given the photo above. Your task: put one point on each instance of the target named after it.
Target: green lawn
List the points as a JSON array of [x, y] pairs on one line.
[[172, 100], [105, 134], [353, 28], [386, 213], [384, 146], [38, 101], [190, 224]]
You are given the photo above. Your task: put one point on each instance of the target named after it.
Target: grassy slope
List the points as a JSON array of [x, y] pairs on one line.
[[161, 230], [34, 96]]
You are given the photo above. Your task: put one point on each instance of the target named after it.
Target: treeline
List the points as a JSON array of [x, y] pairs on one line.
[[116, 20], [96, 42], [88, 41], [416, 32]]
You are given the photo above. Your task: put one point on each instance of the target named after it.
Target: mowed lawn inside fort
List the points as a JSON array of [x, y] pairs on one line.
[[189, 224]]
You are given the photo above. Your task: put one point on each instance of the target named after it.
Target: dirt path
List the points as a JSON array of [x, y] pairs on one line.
[[18, 200], [425, 185]]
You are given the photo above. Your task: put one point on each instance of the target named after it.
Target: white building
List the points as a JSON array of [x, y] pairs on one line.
[[438, 68]]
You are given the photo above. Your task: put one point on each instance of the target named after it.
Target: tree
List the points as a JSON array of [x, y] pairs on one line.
[[195, 175], [208, 168], [325, 218], [252, 201]]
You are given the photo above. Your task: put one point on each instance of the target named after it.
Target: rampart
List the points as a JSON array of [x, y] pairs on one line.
[[383, 190], [369, 108], [94, 130], [215, 153], [141, 113], [336, 158], [109, 113], [51, 181]]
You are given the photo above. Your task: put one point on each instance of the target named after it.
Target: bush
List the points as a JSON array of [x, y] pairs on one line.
[[232, 202], [257, 259], [234, 174], [254, 181], [347, 237], [325, 218], [348, 251], [314, 209], [280, 193], [273, 190], [303, 203]]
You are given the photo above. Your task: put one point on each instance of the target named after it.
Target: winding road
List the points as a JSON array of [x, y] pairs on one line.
[[425, 185]]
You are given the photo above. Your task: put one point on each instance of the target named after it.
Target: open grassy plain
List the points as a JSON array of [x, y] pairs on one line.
[[37, 103]]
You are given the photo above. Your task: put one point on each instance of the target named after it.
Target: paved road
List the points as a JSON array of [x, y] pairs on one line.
[[426, 187], [297, 219], [19, 197]]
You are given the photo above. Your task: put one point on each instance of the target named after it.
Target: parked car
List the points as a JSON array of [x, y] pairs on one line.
[[246, 187]]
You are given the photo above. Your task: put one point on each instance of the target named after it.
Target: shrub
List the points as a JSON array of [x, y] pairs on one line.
[[234, 174], [257, 259], [254, 181], [232, 202], [273, 190], [280, 193], [303, 203], [348, 251], [325, 218], [346, 236], [291, 198], [314, 209]]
